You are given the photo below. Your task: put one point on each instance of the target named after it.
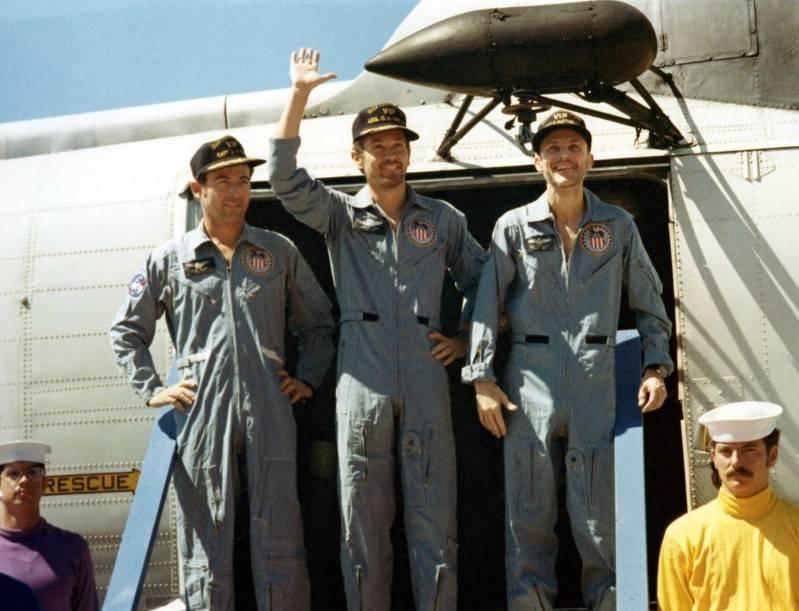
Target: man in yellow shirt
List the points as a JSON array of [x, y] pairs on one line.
[[741, 550]]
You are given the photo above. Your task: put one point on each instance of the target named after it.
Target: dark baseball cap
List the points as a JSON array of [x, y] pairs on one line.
[[560, 119], [222, 153], [380, 118]]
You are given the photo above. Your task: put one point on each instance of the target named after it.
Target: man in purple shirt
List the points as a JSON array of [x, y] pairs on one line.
[[55, 563]]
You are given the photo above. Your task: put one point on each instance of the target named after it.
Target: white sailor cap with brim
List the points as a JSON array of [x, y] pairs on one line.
[[741, 421], [23, 450]]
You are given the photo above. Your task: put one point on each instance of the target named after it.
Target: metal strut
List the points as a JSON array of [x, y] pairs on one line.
[[452, 137], [649, 116]]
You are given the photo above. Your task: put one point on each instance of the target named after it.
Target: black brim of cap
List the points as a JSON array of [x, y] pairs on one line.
[[216, 165], [412, 135]]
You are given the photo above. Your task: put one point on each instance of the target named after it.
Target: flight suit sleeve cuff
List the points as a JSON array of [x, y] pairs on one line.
[[656, 361], [282, 157], [478, 372], [148, 393]]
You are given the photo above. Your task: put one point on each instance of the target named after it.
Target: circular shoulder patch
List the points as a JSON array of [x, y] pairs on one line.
[[257, 260], [596, 238], [421, 232], [137, 285]]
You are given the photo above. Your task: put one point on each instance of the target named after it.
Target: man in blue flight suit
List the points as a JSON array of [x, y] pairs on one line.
[[229, 291], [556, 272], [390, 249]]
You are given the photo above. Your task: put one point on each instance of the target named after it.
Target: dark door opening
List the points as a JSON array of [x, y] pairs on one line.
[[480, 491]]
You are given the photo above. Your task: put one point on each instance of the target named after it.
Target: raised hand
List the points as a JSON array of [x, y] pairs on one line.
[[304, 69]]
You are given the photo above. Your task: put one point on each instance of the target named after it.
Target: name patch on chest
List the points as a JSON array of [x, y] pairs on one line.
[[369, 222], [421, 232], [596, 239], [199, 267], [539, 242], [257, 261]]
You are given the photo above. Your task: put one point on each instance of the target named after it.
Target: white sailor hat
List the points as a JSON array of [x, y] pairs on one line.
[[23, 449], [741, 421]]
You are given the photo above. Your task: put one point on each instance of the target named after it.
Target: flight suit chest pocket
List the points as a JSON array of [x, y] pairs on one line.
[[603, 267], [263, 299], [538, 253], [199, 291], [429, 267], [258, 287], [599, 248], [369, 233]]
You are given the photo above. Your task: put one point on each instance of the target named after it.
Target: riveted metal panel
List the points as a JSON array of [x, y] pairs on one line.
[[110, 270], [90, 400], [124, 224], [82, 357], [74, 236], [737, 277], [696, 31], [46, 306], [12, 312]]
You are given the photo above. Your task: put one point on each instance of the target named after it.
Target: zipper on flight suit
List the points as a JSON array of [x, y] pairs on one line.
[[232, 332], [395, 233], [567, 306], [364, 431]]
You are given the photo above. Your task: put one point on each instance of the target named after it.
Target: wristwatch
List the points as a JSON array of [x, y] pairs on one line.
[[661, 370]]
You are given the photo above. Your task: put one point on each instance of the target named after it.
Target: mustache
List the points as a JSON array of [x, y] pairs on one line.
[[739, 471]]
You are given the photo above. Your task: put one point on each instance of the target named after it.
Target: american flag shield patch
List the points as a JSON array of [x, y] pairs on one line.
[[596, 238], [257, 260], [421, 232]]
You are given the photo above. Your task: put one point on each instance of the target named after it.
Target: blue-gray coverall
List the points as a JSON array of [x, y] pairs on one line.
[[228, 328], [389, 290], [563, 318]]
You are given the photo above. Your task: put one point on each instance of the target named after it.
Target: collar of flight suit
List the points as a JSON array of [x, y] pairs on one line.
[[198, 236], [363, 199], [595, 209]]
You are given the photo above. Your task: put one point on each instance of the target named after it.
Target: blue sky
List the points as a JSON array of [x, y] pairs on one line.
[[69, 56]]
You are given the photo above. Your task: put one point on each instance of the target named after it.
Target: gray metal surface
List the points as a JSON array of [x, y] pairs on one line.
[[737, 277], [75, 228]]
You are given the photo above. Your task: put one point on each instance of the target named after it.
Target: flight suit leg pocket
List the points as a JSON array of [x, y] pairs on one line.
[[276, 540], [600, 483], [355, 444], [208, 479], [275, 508], [287, 581], [199, 588], [438, 466], [413, 469], [521, 485]]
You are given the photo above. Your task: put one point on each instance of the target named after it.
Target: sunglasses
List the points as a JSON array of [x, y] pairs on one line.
[[33, 473]]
